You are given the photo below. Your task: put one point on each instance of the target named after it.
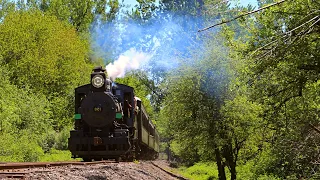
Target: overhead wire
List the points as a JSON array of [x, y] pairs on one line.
[[245, 14]]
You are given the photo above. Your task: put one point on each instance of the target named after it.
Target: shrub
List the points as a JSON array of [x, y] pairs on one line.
[[200, 171], [61, 140], [19, 148], [56, 155]]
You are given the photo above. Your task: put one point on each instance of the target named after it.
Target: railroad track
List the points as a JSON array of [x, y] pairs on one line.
[[27, 170], [21, 170], [168, 172]]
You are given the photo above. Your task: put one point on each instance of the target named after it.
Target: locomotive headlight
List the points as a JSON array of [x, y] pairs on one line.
[[97, 81]]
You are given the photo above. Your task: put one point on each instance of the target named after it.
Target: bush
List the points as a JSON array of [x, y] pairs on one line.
[[42, 60], [248, 171], [56, 155], [267, 177], [200, 171], [209, 171], [47, 141], [61, 140], [19, 148]]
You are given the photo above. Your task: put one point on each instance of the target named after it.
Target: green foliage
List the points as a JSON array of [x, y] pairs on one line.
[[42, 52], [243, 121], [202, 109], [21, 109], [256, 103], [79, 13], [266, 177], [42, 60], [25, 119], [200, 171], [26, 132], [19, 148], [144, 10], [136, 80], [47, 141], [56, 155], [47, 56], [184, 114], [277, 56], [183, 7], [208, 170], [61, 138], [245, 171], [6, 7], [189, 154]]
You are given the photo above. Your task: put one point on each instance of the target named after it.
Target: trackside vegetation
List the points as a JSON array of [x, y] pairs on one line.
[[240, 101], [41, 58]]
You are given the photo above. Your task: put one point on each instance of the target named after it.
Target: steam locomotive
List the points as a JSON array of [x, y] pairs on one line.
[[111, 123]]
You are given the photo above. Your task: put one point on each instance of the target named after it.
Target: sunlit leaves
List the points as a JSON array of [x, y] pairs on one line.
[[42, 52], [79, 13], [47, 56], [280, 58], [139, 82]]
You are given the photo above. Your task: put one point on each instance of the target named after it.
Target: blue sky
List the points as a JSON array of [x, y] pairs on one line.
[[246, 2], [242, 2]]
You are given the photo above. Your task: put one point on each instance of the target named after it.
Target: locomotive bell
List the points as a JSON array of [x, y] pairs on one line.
[[98, 79]]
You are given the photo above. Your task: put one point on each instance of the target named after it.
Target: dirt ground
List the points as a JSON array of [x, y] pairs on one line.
[[142, 170]]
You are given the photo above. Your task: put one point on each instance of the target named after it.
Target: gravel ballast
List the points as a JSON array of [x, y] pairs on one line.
[[142, 170]]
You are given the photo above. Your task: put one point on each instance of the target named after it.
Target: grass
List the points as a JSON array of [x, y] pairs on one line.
[[209, 171], [200, 171], [57, 155]]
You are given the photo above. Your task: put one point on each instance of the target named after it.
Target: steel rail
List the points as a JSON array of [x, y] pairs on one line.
[[16, 175], [168, 172], [24, 165], [21, 169]]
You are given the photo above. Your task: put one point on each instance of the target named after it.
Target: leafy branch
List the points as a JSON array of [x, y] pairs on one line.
[[242, 15], [289, 33]]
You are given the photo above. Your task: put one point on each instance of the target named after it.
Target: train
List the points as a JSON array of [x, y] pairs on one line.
[[110, 122]]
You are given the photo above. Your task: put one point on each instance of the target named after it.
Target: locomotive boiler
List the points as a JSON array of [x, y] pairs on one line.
[[111, 123]]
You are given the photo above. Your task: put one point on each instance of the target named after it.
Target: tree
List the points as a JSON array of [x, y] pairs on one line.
[[45, 55], [144, 10], [280, 59], [136, 79], [80, 13], [203, 108], [25, 119], [168, 32], [6, 7]]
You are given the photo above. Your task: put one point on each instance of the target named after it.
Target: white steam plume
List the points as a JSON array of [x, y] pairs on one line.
[[130, 60]]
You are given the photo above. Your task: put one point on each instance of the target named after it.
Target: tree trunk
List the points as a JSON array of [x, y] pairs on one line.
[[231, 161], [233, 171], [222, 173]]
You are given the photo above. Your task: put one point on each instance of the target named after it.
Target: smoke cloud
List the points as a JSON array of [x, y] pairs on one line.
[[159, 45], [130, 60]]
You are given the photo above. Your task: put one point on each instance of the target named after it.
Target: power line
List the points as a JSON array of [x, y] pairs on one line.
[[251, 12]]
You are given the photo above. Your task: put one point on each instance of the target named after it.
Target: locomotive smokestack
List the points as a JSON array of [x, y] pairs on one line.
[[99, 69]]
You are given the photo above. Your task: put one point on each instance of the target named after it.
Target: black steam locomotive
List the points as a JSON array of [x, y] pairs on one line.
[[111, 123]]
